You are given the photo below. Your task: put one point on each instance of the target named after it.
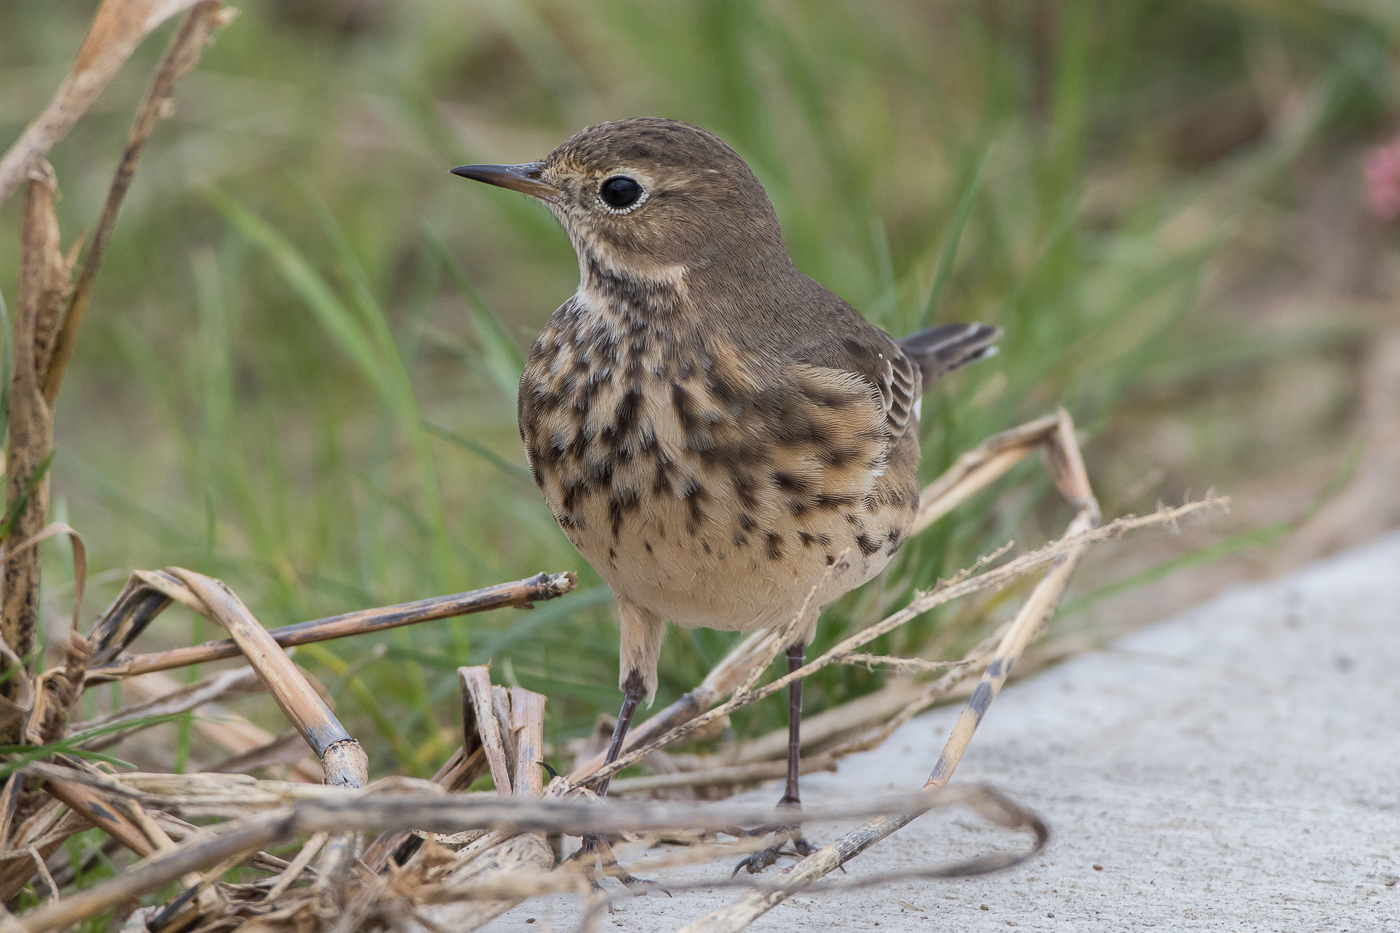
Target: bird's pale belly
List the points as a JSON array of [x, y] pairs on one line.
[[721, 580]]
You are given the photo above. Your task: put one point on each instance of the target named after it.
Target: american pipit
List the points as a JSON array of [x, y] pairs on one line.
[[728, 443]]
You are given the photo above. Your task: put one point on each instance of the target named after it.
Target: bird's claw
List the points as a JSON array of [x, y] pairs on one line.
[[755, 863], [597, 846]]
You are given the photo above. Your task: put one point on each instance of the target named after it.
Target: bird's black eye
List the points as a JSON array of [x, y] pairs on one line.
[[620, 192]]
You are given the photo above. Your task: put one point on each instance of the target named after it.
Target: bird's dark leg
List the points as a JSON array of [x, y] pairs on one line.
[[632, 692], [796, 655]]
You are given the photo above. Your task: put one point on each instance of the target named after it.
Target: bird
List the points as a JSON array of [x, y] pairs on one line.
[[729, 444]]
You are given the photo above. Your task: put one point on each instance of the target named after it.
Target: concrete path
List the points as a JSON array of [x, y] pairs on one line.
[[1236, 768]]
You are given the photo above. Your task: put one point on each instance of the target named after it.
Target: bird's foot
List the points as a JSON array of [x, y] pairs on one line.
[[596, 847], [760, 860]]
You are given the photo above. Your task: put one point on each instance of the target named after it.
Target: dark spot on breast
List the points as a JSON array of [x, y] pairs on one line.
[[662, 482], [694, 496], [836, 456], [545, 402], [546, 456], [743, 488], [624, 419], [774, 544], [896, 539], [569, 500], [791, 482], [807, 538], [739, 538], [824, 539], [745, 522], [706, 546], [646, 544], [682, 402], [620, 503], [829, 503], [830, 559], [867, 544]]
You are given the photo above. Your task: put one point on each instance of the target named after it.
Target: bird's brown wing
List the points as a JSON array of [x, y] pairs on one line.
[[873, 357]]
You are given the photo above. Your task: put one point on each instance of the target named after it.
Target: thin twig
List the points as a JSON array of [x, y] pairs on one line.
[[502, 595]]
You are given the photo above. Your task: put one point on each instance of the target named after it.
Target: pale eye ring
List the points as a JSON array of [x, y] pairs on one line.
[[621, 194]]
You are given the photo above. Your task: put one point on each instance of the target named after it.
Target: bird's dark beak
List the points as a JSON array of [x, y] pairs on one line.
[[523, 178]]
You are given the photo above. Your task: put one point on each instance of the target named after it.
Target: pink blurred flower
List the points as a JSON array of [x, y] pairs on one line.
[[1382, 164]]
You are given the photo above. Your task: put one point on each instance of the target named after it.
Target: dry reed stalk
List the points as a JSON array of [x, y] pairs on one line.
[[127, 617], [978, 468], [124, 820], [43, 288], [50, 309], [528, 852], [117, 29], [519, 593], [468, 763], [45, 829], [477, 693], [343, 760], [181, 54]]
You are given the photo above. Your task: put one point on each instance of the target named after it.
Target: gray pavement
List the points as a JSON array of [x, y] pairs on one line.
[[1235, 768]]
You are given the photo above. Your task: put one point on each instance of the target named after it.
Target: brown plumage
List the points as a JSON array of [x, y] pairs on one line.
[[728, 443]]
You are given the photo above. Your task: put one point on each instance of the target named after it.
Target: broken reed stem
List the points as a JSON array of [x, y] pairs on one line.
[[956, 589], [521, 593], [43, 285], [181, 54], [342, 758], [468, 763]]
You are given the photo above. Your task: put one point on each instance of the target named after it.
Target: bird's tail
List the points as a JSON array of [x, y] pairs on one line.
[[940, 350]]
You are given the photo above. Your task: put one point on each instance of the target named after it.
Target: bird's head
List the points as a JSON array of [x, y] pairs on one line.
[[649, 200]]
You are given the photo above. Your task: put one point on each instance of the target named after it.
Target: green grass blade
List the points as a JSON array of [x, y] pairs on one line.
[[953, 236]]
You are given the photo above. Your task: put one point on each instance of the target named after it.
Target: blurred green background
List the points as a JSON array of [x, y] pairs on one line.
[[299, 367]]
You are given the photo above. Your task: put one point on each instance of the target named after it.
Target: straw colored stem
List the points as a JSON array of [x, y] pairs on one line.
[[43, 281], [518, 593], [343, 760], [180, 56], [712, 777]]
